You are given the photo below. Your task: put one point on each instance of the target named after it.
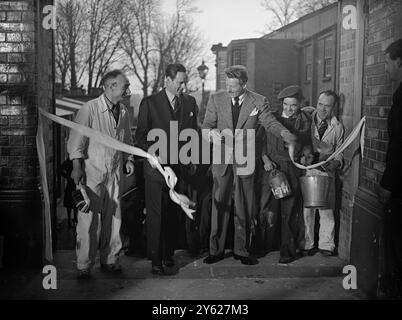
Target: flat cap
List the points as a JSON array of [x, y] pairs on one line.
[[291, 91]]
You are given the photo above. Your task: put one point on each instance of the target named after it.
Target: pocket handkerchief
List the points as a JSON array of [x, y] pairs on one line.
[[254, 112]]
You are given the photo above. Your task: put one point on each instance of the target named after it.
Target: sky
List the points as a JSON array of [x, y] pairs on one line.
[[223, 21]]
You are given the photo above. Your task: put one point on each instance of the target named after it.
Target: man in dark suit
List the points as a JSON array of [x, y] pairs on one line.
[[390, 189], [236, 108], [168, 107]]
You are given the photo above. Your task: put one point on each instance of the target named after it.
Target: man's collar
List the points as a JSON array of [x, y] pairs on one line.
[[170, 95], [106, 104], [241, 98], [333, 121]]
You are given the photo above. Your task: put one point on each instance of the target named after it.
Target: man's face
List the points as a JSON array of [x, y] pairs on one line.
[[234, 88], [325, 106], [393, 67], [120, 87], [177, 85], [291, 106]]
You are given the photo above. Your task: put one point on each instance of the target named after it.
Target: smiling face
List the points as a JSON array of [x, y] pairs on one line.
[[177, 85], [118, 88], [325, 105], [234, 88], [291, 107]]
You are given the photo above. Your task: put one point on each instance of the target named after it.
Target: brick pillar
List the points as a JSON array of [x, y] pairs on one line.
[[26, 80], [382, 27]]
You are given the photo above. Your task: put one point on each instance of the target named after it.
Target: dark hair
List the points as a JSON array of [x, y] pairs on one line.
[[111, 75], [395, 49], [332, 94], [298, 96], [237, 72], [173, 69]]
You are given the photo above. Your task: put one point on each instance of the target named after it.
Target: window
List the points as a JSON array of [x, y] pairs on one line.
[[328, 49], [236, 56], [308, 56]]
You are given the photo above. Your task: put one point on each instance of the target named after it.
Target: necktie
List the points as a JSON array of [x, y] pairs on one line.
[[323, 127], [116, 111], [175, 103], [236, 111]]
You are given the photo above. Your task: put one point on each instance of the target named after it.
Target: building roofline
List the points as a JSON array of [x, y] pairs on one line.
[[302, 18]]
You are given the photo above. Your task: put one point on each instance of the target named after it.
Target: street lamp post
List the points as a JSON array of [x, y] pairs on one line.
[[202, 71]]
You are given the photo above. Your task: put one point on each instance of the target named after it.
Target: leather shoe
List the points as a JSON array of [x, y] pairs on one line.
[[327, 253], [236, 256], [168, 262], [286, 260], [309, 252], [212, 259], [247, 260], [111, 268], [158, 270]]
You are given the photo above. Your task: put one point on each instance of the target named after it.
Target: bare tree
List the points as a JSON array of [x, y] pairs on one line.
[[152, 40], [62, 53], [103, 37], [287, 11], [312, 5], [137, 27], [68, 36], [177, 40]]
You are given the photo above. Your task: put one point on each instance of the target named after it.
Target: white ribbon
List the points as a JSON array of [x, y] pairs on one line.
[[352, 136], [169, 175]]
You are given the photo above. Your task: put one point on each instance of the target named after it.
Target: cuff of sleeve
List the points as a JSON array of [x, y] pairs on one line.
[[76, 155]]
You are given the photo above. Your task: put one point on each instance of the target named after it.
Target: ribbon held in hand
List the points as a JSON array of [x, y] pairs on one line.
[[184, 202], [352, 136]]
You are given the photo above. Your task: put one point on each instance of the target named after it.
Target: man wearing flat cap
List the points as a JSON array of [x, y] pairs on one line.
[[275, 154]]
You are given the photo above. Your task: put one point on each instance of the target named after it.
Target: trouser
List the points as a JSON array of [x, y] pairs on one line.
[[243, 212], [268, 226], [100, 227], [290, 208], [327, 228], [205, 200], [327, 222], [161, 220], [391, 283]]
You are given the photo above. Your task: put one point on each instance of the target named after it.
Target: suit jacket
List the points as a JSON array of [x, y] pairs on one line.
[[155, 112], [255, 112], [392, 177], [331, 139]]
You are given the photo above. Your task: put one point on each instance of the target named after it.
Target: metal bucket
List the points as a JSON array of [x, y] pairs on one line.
[[315, 190]]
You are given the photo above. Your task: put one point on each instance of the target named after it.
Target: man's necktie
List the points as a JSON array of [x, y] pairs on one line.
[[175, 103], [236, 111], [115, 111], [323, 127]]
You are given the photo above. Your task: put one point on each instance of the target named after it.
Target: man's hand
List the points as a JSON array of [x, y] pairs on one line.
[[215, 136], [383, 195], [192, 169], [331, 166], [288, 137], [268, 164], [129, 165], [78, 173]]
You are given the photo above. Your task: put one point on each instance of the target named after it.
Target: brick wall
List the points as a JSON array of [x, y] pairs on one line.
[[17, 101], [26, 81], [384, 27], [347, 110]]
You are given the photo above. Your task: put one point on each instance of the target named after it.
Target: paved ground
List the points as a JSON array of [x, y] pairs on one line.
[[314, 277]]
